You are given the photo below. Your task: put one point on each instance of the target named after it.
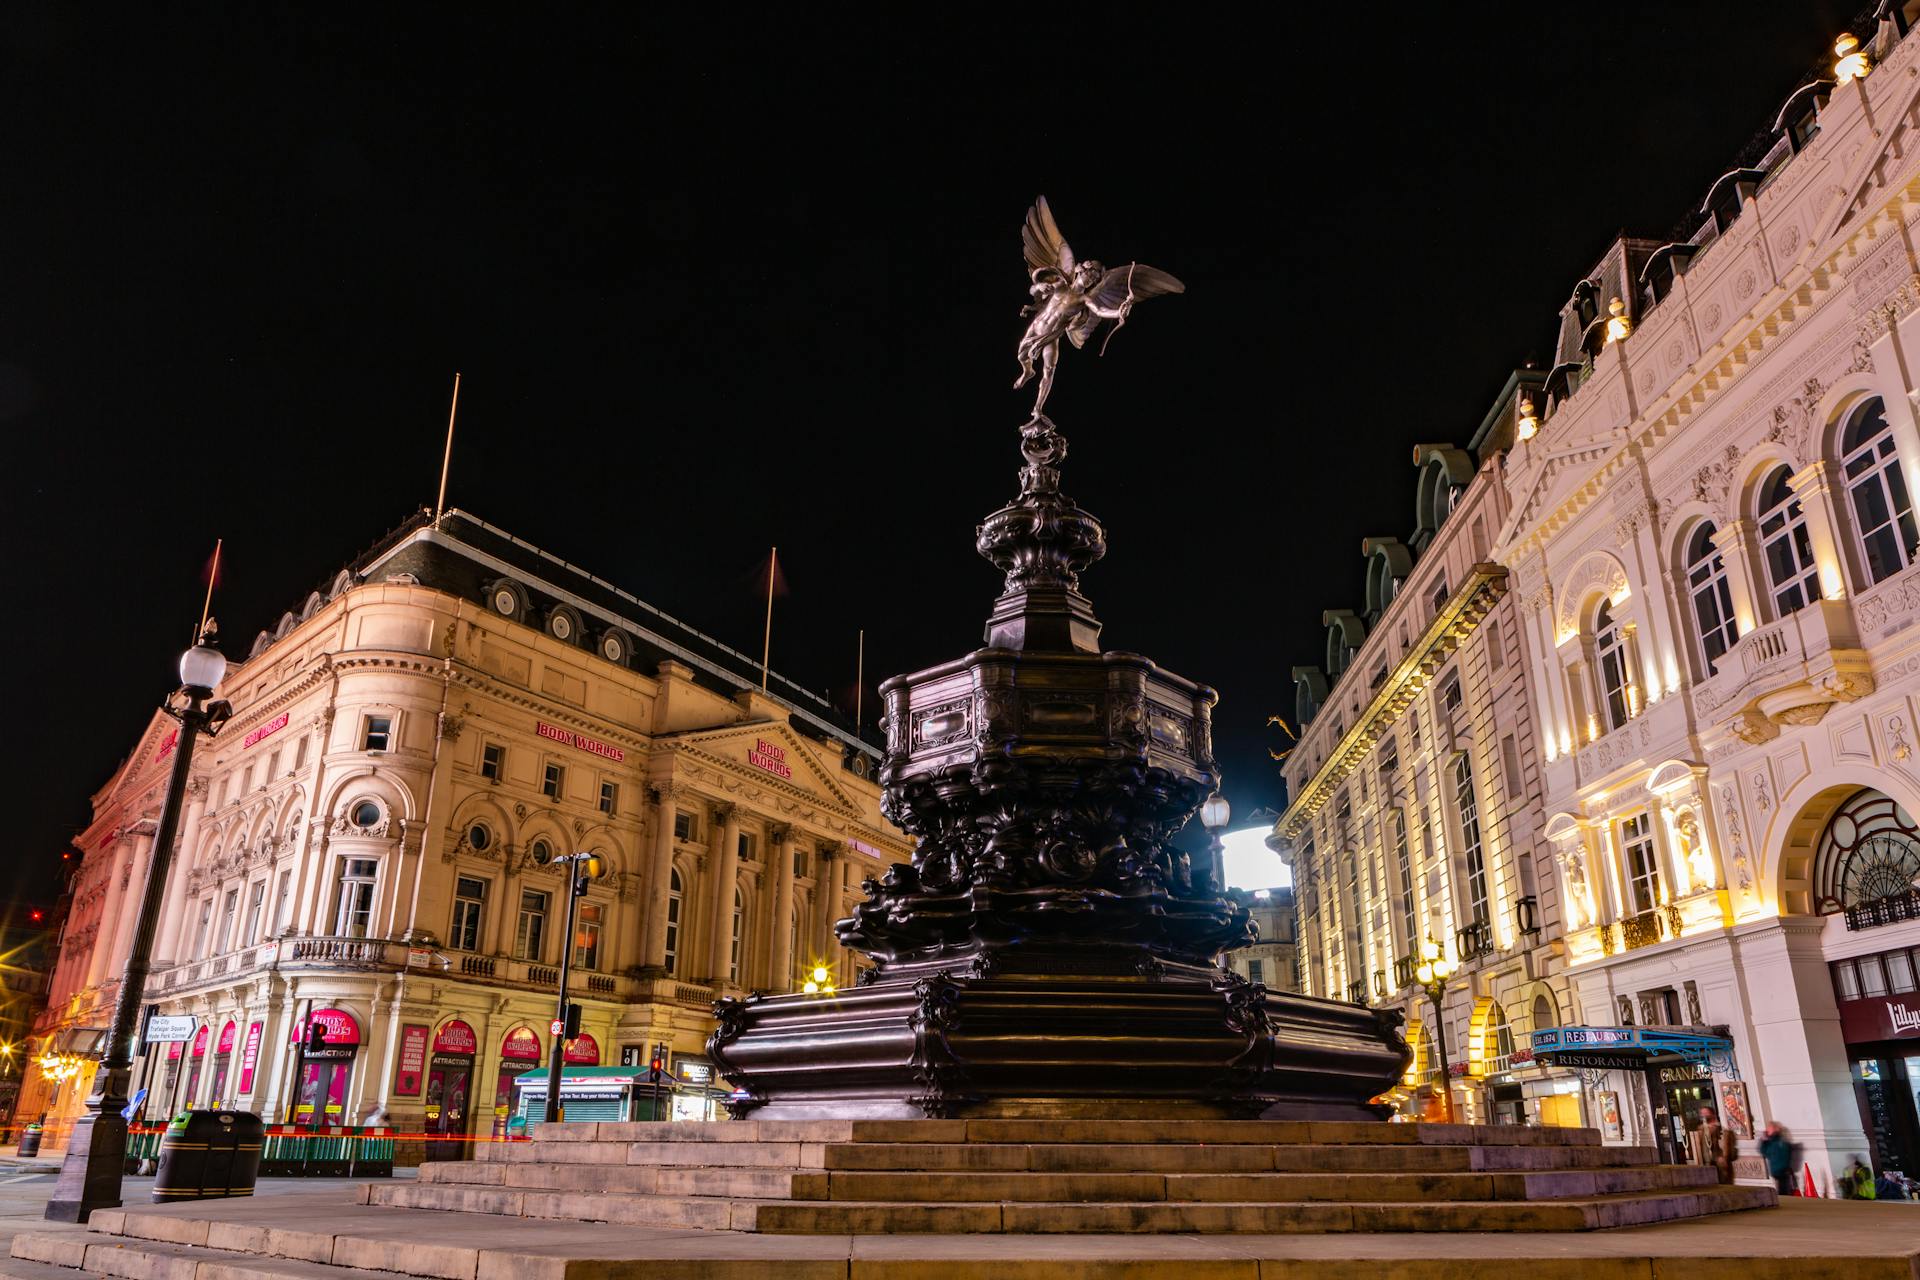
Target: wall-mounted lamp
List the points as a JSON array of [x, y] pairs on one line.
[[1850, 60], [1618, 326], [1529, 425]]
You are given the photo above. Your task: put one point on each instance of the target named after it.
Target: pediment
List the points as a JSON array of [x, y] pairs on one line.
[[772, 754], [149, 758]]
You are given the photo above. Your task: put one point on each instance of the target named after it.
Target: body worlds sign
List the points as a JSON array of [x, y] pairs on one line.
[[770, 756], [579, 741]]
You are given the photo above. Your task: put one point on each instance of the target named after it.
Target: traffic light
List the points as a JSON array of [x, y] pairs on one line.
[[316, 1037], [572, 1022]]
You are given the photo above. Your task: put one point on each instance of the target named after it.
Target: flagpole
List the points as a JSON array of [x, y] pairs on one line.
[[859, 681], [206, 605], [446, 459], [766, 643]]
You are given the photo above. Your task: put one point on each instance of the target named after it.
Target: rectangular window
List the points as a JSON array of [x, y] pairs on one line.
[[529, 932], [1450, 697], [228, 914], [1510, 767], [673, 922], [379, 731], [1379, 676], [225, 783], [1496, 647], [493, 760], [469, 904], [550, 781], [1440, 594], [246, 780], [1847, 980], [1873, 981], [1470, 841], [1256, 971], [256, 906], [353, 911], [1389, 759], [683, 825], [609, 795], [283, 903], [273, 766], [586, 937], [1403, 863], [747, 843], [200, 930], [1899, 972], [1642, 866], [300, 754]]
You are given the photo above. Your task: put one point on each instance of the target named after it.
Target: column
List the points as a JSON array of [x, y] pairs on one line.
[[109, 918], [725, 879], [174, 907], [659, 879], [137, 867], [1813, 485], [826, 896], [780, 976], [1730, 540]]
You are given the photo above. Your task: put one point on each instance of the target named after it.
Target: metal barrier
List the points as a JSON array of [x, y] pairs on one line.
[[330, 1151]]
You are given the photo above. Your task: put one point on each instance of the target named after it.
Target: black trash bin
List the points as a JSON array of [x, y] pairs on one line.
[[205, 1154], [30, 1141]]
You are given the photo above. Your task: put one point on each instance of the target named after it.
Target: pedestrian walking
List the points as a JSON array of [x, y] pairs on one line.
[[1713, 1144], [1777, 1147]]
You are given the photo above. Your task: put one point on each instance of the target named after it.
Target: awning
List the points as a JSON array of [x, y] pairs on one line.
[[1634, 1048], [85, 1042]]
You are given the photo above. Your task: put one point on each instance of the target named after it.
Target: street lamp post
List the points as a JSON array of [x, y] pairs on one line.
[[1432, 976], [581, 868], [97, 1149], [1215, 814]]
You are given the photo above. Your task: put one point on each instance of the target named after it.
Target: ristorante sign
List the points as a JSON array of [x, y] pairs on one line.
[[579, 741], [770, 756]]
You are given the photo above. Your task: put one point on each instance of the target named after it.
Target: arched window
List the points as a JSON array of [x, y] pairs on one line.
[[1792, 576], [1610, 656], [1869, 851], [1543, 1015], [1499, 1043], [1882, 512], [673, 921], [1711, 595], [739, 923], [1470, 841]]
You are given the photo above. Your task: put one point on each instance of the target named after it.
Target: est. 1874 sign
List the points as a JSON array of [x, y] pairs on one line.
[[770, 756]]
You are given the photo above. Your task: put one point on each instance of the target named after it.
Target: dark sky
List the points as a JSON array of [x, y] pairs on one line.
[[717, 288]]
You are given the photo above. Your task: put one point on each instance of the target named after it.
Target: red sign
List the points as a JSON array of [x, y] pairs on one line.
[[583, 1052], [456, 1037], [249, 1057], [413, 1059], [521, 1045], [166, 747], [579, 741], [226, 1039], [266, 730], [200, 1042], [770, 756], [341, 1028], [1880, 1018]]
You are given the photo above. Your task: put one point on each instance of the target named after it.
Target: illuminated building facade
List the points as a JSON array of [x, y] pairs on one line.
[[1272, 961], [1416, 799], [368, 845]]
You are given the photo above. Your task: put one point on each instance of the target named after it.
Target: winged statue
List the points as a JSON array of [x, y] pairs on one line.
[[1072, 297]]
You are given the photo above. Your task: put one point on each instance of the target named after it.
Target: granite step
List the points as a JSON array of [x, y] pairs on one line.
[[70, 1255], [1210, 1132]]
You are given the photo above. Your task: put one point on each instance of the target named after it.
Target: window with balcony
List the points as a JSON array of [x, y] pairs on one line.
[[469, 908], [673, 920], [353, 903], [1642, 862], [1470, 848], [1792, 577], [530, 929], [1610, 654], [586, 936], [1711, 596], [1882, 511]]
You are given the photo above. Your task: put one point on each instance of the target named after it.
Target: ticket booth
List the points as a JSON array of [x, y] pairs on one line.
[[449, 1104], [519, 1052]]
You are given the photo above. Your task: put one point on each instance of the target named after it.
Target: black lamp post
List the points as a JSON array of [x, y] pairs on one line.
[[97, 1150], [1215, 814], [581, 869], [1432, 976]]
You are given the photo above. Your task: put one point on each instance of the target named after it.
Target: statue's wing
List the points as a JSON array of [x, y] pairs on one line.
[[1045, 247], [1135, 280]]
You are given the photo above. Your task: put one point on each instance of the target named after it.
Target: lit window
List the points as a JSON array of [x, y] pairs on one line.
[[1643, 867], [1610, 652], [586, 937], [283, 902], [529, 932], [200, 930], [550, 781], [1470, 840], [469, 902], [256, 906], [1409, 920], [1786, 547], [673, 920], [739, 927], [1712, 596], [493, 758], [227, 915], [353, 910], [379, 731], [1450, 697], [609, 794], [1882, 514]]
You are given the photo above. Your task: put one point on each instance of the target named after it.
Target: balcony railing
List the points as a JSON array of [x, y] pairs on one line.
[[1474, 941], [1380, 984], [1888, 910], [1357, 992], [1403, 972], [1526, 917], [477, 966]]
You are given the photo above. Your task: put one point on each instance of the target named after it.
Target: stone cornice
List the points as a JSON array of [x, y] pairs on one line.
[[1456, 621]]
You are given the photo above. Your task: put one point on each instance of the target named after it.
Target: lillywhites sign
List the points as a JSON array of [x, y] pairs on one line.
[[770, 756], [579, 741], [266, 730], [1879, 1018]]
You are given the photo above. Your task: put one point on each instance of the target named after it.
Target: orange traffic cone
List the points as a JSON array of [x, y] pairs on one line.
[[1812, 1188]]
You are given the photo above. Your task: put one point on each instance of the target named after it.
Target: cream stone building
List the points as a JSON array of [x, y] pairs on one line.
[[1273, 960], [1416, 799], [368, 845]]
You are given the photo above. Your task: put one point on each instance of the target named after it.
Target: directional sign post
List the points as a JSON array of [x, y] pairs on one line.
[[168, 1029]]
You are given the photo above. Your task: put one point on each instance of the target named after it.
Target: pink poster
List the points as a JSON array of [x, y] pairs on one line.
[[413, 1060], [249, 1057]]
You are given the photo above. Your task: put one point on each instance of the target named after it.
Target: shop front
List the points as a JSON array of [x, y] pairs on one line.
[[1881, 1027], [223, 1063], [196, 1059], [1674, 1072], [325, 1069], [518, 1053], [697, 1089], [449, 1101]]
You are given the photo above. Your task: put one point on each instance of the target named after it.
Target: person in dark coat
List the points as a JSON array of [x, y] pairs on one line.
[[1777, 1148]]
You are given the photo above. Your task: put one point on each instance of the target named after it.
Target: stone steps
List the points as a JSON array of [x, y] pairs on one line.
[[1202, 1213], [1102, 1132]]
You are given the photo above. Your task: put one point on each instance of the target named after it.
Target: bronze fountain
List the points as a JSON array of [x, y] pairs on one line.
[[1048, 952]]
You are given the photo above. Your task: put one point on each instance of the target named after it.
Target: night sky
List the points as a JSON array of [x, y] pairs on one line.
[[718, 288]]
